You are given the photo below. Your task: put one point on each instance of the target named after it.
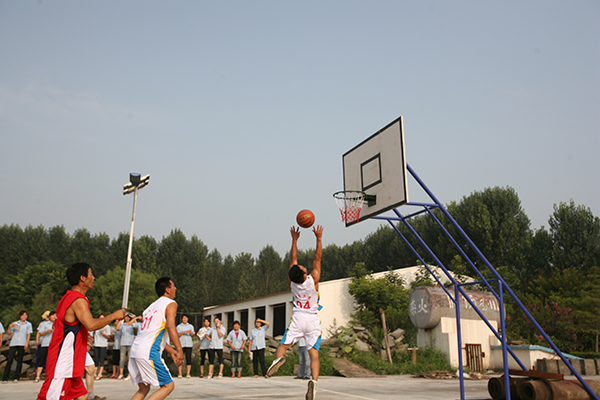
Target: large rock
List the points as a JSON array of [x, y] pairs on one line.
[[398, 333], [390, 343], [362, 346]]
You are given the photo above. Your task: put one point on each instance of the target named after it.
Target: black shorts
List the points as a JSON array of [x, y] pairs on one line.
[[43, 356], [116, 357], [203, 354], [211, 356], [99, 355], [188, 355]]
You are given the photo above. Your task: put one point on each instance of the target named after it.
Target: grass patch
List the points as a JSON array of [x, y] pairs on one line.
[[428, 360], [292, 359]]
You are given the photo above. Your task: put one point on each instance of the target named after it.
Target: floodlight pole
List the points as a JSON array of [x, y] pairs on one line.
[[135, 183]]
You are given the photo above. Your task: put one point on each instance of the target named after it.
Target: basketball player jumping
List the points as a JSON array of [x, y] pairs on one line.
[[305, 322], [65, 364], [146, 367]]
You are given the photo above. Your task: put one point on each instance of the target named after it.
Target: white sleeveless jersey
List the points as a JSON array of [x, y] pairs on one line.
[[306, 297], [152, 334]]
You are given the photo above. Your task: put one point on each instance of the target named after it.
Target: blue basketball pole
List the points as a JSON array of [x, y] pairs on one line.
[[458, 290]]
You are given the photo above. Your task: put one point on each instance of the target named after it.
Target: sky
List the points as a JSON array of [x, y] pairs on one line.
[[240, 111]]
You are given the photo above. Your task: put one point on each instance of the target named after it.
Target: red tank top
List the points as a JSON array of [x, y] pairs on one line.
[[66, 353]]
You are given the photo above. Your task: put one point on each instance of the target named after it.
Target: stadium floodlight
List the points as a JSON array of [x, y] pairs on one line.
[[135, 183]]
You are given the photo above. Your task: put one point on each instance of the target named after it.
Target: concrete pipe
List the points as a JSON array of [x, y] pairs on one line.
[[496, 388], [534, 390], [556, 390]]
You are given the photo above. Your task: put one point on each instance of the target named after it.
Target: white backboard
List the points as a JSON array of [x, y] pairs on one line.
[[377, 166]]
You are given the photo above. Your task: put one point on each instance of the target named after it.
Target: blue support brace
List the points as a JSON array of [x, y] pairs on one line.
[[459, 290]]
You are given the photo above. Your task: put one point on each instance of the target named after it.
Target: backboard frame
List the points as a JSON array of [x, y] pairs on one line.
[[377, 166]]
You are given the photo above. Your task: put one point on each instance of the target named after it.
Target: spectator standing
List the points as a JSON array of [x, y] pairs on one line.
[[216, 348], [237, 341], [1, 333], [101, 337], [257, 345], [186, 333], [116, 350], [21, 331], [127, 335], [42, 340], [303, 360], [204, 336]]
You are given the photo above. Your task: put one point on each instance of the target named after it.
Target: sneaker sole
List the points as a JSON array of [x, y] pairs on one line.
[[310, 394], [275, 367]]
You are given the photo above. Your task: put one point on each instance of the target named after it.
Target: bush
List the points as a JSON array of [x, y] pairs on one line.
[[428, 359], [585, 354]]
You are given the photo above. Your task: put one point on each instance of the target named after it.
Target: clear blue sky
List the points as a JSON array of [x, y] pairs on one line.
[[241, 110]]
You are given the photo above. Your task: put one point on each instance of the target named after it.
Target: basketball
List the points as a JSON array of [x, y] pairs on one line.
[[305, 218]]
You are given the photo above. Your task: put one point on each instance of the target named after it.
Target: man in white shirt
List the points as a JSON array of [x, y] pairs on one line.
[[186, 332]]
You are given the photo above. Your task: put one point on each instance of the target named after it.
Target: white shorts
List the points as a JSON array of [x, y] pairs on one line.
[[304, 325], [88, 360], [149, 372]]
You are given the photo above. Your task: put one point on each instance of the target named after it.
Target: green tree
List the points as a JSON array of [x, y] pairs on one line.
[[10, 250], [94, 250], [183, 261], [575, 233], [249, 281], [144, 253], [372, 295], [497, 224], [31, 280], [58, 245], [213, 265], [270, 272], [107, 294]]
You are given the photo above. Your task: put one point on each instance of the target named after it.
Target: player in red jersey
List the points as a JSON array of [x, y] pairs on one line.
[[65, 365]]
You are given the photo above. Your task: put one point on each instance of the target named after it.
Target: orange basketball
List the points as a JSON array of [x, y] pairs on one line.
[[305, 218]]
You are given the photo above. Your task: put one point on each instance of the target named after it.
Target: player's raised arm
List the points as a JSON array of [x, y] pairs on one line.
[[316, 271], [295, 231]]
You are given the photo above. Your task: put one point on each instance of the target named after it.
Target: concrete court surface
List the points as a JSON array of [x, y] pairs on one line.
[[281, 388]]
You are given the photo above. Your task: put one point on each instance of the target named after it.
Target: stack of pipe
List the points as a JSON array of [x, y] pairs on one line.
[[541, 389]]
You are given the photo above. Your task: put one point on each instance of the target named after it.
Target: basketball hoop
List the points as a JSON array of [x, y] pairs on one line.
[[350, 202]]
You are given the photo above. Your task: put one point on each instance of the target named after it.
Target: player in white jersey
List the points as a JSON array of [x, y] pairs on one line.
[[146, 367], [305, 322]]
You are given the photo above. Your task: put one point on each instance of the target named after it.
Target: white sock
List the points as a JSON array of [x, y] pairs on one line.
[[91, 395]]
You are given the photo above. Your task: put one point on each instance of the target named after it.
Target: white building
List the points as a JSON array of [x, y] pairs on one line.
[[337, 304]]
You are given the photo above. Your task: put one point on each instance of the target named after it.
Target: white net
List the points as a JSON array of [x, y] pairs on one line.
[[350, 204]]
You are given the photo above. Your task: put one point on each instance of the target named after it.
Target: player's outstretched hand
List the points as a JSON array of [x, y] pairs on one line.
[[318, 230], [295, 231], [117, 315]]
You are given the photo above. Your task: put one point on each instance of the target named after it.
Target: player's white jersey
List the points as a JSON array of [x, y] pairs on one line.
[[306, 297], [151, 336]]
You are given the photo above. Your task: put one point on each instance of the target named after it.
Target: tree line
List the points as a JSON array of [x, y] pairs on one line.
[[554, 271]]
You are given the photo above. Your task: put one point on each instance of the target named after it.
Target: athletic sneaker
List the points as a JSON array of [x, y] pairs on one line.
[[311, 394], [277, 363]]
